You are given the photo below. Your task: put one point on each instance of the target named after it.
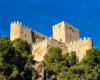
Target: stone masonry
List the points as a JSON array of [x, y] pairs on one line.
[[65, 36]]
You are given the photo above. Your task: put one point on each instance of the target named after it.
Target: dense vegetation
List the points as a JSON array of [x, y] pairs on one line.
[[67, 67], [16, 58]]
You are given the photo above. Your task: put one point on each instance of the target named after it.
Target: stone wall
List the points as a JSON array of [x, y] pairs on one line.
[[80, 47], [20, 31], [54, 43], [65, 33], [26, 34], [65, 37], [37, 36], [39, 49]]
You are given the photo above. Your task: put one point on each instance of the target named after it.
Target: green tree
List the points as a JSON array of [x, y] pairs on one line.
[[15, 56], [92, 57], [57, 64], [70, 59], [67, 67], [52, 62], [92, 61]]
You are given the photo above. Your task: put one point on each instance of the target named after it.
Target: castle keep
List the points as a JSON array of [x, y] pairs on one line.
[[65, 37]]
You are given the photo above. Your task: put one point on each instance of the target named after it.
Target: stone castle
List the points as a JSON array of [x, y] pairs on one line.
[[65, 36]]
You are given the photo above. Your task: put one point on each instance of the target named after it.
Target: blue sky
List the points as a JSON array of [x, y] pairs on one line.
[[42, 14]]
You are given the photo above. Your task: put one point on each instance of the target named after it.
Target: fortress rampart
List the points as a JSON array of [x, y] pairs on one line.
[[54, 43], [65, 36], [18, 30], [39, 49], [80, 46]]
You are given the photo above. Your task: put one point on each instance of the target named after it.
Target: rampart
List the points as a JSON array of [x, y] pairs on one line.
[[80, 46], [68, 39], [54, 43], [18, 30], [39, 49]]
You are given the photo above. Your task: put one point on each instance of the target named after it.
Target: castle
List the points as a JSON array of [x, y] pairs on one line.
[[65, 36]]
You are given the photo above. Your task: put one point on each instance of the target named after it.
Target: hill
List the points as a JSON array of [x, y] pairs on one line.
[[16, 62]]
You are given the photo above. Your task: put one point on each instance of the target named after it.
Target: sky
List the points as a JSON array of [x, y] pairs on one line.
[[41, 15]]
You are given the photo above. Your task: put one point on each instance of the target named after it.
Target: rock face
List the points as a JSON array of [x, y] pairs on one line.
[[65, 37]]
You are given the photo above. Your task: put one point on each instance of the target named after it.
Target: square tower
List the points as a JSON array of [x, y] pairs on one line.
[[65, 33], [17, 30]]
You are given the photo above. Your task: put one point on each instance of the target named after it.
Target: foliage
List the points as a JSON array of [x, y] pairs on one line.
[[52, 65], [15, 57], [67, 67], [92, 57], [70, 59]]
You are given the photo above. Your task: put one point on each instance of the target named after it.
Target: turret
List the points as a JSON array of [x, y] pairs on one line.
[[15, 30]]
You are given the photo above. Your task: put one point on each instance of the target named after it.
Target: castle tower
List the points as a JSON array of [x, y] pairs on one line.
[[15, 30], [65, 33], [19, 31]]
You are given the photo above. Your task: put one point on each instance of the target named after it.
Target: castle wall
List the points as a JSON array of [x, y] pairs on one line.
[[26, 34], [80, 47], [20, 31], [65, 37], [54, 43], [39, 49], [37, 37]]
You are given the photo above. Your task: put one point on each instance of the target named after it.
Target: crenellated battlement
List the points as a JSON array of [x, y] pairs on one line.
[[56, 43], [28, 28], [84, 41], [20, 24], [63, 23], [38, 33], [80, 47], [16, 23], [65, 36], [39, 49], [50, 41]]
